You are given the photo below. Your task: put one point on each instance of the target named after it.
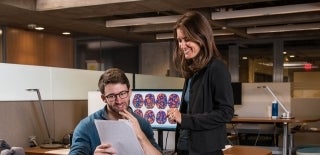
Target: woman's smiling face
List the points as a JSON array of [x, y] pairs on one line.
[[189, 48]]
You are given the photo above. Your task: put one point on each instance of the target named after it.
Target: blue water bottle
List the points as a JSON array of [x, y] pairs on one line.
[[274, 109]]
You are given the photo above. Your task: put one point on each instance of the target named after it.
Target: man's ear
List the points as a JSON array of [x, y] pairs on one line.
[[103, 98]]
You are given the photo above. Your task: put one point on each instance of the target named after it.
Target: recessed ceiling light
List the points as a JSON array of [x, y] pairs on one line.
[[39, 28], [66, 33]]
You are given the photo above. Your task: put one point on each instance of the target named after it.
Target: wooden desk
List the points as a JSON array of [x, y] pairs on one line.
[[285, 122], [41, 151], [234, 150], [247, 150]]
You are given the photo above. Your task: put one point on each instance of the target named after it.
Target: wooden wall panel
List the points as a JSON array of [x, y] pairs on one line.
[[23, 47], [58, 51], [35, 48]]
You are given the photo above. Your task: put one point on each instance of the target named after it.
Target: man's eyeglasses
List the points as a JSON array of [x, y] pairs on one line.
[[122, 95]]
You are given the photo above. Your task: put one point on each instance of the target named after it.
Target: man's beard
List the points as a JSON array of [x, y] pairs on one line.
[[115, 110]]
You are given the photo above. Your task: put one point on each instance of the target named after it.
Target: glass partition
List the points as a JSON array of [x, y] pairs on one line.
[[301, 56], [99, 54], [255, 64], [257, 60]]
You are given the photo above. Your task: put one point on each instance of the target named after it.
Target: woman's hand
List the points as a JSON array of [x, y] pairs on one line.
[[104, 149], [174, 115]]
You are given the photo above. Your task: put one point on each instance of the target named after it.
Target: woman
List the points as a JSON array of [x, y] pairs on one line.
[[207, 99]]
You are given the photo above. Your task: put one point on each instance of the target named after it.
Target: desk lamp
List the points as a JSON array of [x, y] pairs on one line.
[[287, 114], [50, 144]]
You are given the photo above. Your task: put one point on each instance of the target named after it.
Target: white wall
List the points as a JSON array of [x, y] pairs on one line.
[[53, 83], [157, 82], [64, 92]]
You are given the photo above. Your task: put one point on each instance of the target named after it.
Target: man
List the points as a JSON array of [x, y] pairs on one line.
[[115, 92]]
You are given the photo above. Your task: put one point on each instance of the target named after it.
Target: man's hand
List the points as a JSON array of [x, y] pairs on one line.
[[147, 147], [104, 149], [135, 124]]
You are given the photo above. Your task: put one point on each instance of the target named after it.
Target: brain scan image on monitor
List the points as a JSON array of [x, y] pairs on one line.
[[161, 101], [137, 101], [153, 104], [149, 101], [161, 117], [149, 116], [174, 101]]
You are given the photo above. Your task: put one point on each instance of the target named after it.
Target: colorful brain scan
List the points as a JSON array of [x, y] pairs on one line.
[[149, 116], [161, 101], [174, 101], [161, 117], [149, 101], [137, 101]]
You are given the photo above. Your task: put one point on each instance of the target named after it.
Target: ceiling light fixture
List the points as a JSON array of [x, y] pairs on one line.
[[284, 28], [66, 33], [267, 11], [160, 36], [61, 4], [142, 21], [296, 64], [39, 28]]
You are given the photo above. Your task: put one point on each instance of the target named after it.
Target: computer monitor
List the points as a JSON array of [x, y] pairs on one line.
[[152, 104]]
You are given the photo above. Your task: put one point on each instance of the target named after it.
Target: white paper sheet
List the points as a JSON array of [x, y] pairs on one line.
[[121, 136]]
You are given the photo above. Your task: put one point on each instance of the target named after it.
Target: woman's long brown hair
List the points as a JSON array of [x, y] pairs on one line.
[[197, 29]]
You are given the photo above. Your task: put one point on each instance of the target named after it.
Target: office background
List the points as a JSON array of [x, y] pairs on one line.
[[65, 95], [251, 62]]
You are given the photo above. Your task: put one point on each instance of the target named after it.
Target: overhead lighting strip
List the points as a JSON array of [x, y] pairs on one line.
[[142, 21], [219, 15], [284, 28], [277, 10], [160, 36], [42, 5]]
